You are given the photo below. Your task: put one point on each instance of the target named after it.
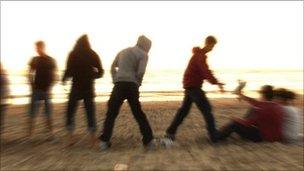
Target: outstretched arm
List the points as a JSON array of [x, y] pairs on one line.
[[204, 68], [251, 101]]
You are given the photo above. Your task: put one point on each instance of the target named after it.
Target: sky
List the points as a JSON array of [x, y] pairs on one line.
[[251, 34]]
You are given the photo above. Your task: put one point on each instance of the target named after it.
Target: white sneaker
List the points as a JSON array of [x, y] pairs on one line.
[[104, 145], [167, 142]]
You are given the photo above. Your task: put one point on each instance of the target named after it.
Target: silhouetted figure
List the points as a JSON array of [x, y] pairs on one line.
[[265, 124], [127, 72], [291, 118], [4, 94], [42, 72], [83, 66], [197, 71]]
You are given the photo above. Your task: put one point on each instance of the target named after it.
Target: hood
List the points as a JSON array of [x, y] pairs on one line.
[[144, 43], [82, 43], [196, 50]]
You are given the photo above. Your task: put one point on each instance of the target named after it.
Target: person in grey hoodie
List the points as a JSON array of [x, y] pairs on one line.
[[127, 72]]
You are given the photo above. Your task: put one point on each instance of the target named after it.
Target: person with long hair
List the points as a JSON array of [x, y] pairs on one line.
[[83, 66]]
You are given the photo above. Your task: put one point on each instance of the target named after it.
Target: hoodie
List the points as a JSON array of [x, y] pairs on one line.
[[130, 64], [83, 66], [198, 70]]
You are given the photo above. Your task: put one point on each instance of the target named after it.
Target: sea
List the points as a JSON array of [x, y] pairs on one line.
[[166, 85]]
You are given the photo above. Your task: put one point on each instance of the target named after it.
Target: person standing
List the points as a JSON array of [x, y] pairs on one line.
[[4, 95], [83, 66], [41, 75], [127, 72], [196, 72]]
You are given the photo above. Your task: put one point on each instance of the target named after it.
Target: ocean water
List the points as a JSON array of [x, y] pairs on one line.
[[166, 85]]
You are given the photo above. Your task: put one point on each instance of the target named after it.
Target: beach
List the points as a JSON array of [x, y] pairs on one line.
[[191, 151]]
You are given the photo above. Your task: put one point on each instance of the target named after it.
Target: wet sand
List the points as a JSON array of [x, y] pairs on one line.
[[191, 151]]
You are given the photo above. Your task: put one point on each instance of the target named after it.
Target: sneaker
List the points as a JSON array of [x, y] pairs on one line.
[[151, 146], [167, 142], [104, 145]]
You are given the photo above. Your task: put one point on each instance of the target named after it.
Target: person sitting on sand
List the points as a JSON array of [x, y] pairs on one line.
[[197, 71], [291, 120], [265, 124], [83, 66], [127, 71], [266, 93], [41, 75]]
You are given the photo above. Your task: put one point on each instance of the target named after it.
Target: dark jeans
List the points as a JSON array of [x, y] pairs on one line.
[[246, 132], [129, 91], [37, 97], [89, 105], [2, 110], [197, 96]]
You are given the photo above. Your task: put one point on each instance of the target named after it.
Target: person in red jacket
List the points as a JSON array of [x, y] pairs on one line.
[[265, 124], [197, 71]]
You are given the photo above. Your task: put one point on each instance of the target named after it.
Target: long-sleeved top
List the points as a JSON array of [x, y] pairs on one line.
[[291, 124], [198, 70], [83, 67], [268, 118], [4, 87], [130, 64]]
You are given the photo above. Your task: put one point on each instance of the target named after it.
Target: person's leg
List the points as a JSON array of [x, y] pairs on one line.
[[227, 130], [139, 115], [70, 119], [48, 114], [91, 120], [34, 104], [2, 109], [179, 116], [202, 103], [114, 104], [250, 133]]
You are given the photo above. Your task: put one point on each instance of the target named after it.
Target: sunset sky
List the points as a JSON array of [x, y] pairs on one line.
[[250, 34]]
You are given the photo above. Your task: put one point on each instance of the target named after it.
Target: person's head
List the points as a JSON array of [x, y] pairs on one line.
[[40, 47], [82, 43], [266, 92], [144, 43], [210, 41], [284, 96]]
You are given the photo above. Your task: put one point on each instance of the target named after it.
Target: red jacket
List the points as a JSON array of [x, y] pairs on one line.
[[268, 119], [198, 70]]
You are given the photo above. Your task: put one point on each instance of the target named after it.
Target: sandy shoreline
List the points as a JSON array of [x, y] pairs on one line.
[[192, 151]]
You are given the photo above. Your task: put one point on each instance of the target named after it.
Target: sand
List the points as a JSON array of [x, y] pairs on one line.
[[191, 151]]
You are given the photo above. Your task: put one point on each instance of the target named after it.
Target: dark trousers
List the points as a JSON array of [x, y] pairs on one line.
[[246, 132], [129, 91], [89, 105], [197, 96], [2, 110]]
